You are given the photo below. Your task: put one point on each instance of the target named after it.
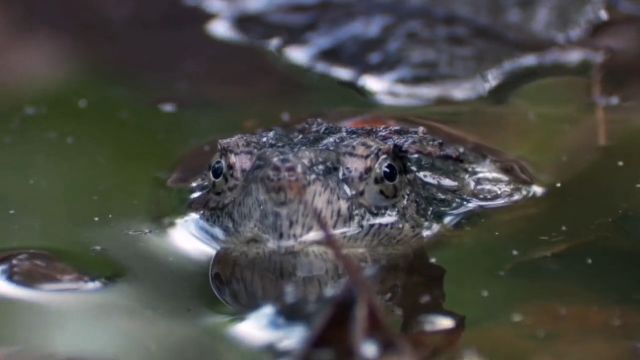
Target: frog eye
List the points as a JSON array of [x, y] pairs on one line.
[[217, 170], [390, 173], [386, 184]]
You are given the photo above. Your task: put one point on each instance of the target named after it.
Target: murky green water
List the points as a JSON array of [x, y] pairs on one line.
[[84, 164]]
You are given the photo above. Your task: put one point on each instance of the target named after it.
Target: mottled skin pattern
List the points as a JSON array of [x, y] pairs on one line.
[[373, 185]]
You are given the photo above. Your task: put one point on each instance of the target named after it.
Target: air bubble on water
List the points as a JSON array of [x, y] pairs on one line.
[[484, 293], [96, 249], [425, 298], [168, 107], [563, 228], [562, 310], [589, 261], [12, 211], [531, 116], [70, 140], [516, 317], [83, 103], [96, 218], [370, 349], [605, 101], [620, 163], [139, 231], [558, 184], [285, 116], [471, 354], [615, 321], [433, 260], [515, 252], [30, 110]]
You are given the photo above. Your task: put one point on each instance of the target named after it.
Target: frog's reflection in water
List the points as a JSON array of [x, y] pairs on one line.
[[307, 282]]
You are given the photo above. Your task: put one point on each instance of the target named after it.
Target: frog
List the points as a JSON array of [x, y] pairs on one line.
[[374, 181]]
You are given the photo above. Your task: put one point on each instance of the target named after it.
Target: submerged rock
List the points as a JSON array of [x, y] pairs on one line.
[[415, 52], [41, 270]]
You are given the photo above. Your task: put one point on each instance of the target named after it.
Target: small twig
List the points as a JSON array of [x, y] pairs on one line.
[[352, 268], [596, 95], [367, 310]]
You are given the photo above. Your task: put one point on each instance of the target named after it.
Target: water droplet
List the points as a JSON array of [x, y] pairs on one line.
[[437, 322], [83, 103], [558, 184], [370, 349], [515, 252], [168, 107], [589, 261], [484, 293], [620, 163], [96, 218], [517, 317], [12, 211]]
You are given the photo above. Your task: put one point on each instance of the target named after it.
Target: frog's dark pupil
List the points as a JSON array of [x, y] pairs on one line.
[[217, 169], [390, 173]]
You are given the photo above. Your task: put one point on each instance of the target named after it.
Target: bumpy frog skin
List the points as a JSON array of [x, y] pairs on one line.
[[374, 186]]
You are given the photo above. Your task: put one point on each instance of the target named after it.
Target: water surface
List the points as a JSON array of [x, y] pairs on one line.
[[85, 159]]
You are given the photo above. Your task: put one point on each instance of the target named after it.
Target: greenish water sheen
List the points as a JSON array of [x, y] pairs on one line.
[[79, 177]]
